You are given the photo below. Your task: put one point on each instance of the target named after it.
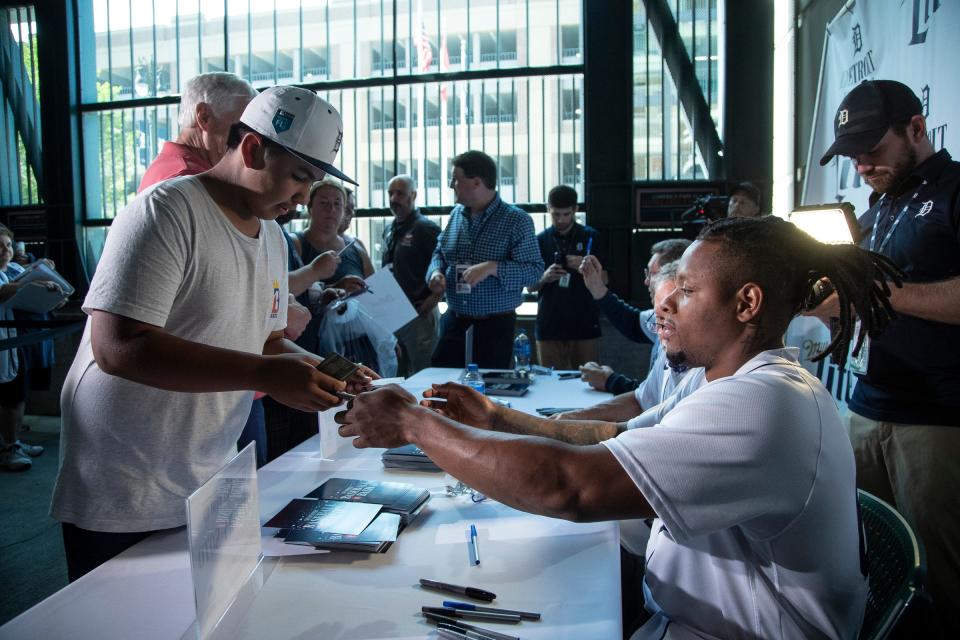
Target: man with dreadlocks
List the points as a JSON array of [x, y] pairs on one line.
[[750, 477], [905, 410]]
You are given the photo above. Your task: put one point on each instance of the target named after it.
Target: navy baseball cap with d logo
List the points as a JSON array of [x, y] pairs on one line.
[[866, 113]]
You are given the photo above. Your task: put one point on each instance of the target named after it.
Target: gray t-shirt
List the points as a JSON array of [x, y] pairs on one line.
[[753, 479], [131, 453]]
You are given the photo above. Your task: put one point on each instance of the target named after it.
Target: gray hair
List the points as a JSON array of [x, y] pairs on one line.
[[223, 91], [667, 272], [409, 180], [670, 250]]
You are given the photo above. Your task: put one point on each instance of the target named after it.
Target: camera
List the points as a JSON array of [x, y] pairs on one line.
[[706, 209]]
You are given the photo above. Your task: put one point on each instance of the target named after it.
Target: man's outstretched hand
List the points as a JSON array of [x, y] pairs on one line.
[[377, 418], [463, 404]]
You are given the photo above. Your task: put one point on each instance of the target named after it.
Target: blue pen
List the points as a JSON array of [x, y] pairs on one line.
[[473, 544], [589, 244], [466, 606]]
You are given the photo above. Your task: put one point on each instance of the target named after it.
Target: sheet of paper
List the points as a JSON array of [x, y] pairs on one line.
[[386, 302], [330, 440]]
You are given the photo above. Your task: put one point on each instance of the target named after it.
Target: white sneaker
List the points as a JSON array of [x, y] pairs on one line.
[[32, 450], [11, 459]]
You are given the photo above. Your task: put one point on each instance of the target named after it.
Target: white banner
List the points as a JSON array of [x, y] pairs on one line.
[[912, 41]]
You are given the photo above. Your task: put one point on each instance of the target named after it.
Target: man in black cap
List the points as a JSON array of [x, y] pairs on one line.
[[744, 201], [905, 411]]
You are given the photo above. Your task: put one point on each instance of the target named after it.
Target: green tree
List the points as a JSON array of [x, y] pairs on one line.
[[117, 145]]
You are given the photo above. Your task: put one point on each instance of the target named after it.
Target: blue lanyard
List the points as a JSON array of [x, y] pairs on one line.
[[893, 227]]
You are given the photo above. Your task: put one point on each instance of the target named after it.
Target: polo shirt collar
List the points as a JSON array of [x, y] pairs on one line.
[[409, 220], [786, 355], [574, 230], [929, 170]]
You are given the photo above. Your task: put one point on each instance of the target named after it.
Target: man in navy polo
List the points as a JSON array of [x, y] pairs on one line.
[[568, 322], [904, 416]]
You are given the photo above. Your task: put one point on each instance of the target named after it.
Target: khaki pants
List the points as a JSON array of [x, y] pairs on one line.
[[916, 468], [567, 354]]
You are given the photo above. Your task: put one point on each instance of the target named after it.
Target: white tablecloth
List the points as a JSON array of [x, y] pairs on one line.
[[568, 572]]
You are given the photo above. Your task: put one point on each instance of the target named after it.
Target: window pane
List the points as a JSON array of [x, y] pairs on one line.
[[532, 126], [663, 138], [118, 147], [20, 143]]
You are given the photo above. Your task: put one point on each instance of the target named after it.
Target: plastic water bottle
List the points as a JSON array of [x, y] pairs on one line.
[[474, 379], [521, 352]]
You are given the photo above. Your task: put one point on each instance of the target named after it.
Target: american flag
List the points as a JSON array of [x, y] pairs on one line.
[[424, 50], [444, 65]]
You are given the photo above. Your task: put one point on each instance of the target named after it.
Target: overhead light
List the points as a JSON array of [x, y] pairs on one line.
[[828, 223]]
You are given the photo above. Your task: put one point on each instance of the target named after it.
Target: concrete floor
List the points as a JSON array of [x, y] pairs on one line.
[[32, 565]]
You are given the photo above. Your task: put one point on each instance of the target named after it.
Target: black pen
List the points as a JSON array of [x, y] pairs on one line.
[[466, 606], [511, 618], [470, 592], [461, 626]]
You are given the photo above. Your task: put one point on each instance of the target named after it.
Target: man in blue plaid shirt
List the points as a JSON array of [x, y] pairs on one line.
[[484, 258]]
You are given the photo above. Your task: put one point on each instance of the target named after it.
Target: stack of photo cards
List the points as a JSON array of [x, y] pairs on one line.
[[400, 498], [350, 515], [410, 457]]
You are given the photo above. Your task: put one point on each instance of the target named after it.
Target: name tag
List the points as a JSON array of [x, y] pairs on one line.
[[858, 364], [462, 287]]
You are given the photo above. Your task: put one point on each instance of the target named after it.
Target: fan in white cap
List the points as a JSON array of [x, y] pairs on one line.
[[300, 121]]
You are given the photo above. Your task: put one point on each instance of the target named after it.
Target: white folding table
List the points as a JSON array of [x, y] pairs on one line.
[[569, 572]]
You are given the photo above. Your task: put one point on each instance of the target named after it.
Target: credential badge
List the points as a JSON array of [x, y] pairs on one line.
[[282, 120]]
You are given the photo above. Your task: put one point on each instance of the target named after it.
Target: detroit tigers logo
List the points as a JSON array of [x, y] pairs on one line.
[[925, 208], [275, 308], [857, 39], [843, 117]]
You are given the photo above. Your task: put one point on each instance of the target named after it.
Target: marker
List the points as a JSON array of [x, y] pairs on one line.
[[347, 246], [464, 627], [473, 544], [589, 245], [452, 634], [472, 615], [470, 592], [466, 606], [461, 632]]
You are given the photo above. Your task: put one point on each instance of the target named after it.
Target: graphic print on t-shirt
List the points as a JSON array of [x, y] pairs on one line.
[[276, 299]]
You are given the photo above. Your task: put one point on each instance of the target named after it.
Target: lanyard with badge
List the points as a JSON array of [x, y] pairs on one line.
[[563, 251], [462, 286], [858, 363]]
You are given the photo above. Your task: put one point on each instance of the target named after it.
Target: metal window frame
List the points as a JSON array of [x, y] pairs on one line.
[[394, 83]]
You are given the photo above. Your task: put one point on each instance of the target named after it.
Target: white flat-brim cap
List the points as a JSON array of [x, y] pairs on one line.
[[302, 122]]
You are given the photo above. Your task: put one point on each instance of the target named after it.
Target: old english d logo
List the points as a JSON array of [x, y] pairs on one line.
[[282, 120], [275, 308], [843, 117]]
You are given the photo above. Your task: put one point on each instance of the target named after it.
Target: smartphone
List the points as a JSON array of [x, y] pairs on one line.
[[336, 366]]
